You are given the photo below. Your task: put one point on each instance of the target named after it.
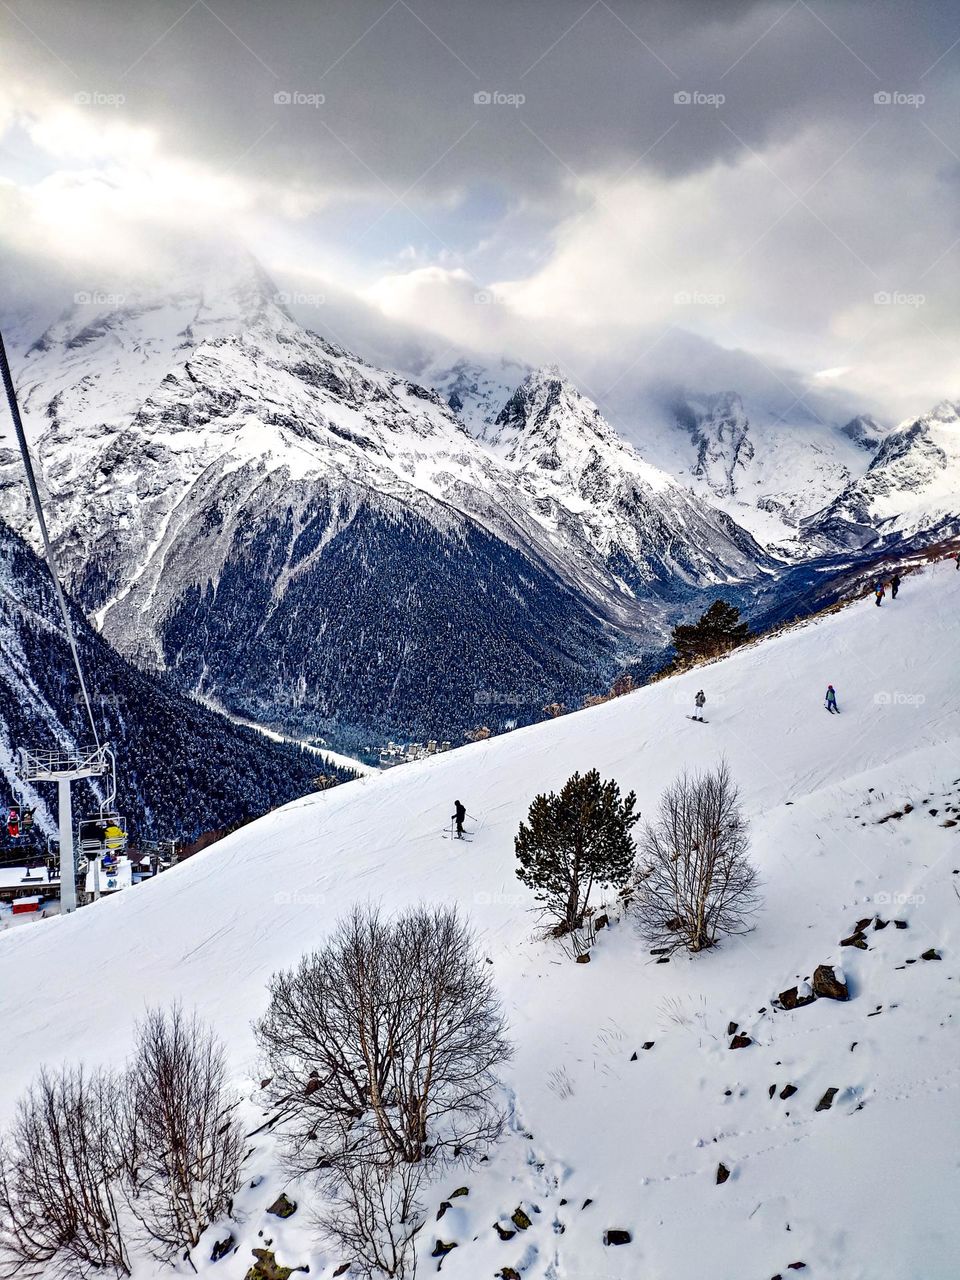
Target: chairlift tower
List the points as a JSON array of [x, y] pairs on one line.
[[65, 767]]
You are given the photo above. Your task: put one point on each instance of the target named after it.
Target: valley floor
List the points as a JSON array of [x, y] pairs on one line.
[[866, 1190]]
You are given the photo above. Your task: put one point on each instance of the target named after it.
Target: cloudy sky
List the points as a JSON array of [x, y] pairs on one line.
[[640, 190]]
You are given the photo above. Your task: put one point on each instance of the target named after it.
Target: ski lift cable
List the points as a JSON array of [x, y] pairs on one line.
[[41, 520]]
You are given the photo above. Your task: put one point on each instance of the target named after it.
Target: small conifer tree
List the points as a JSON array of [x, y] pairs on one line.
[[573, 841]]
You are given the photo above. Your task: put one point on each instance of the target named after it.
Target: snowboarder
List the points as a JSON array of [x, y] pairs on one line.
[[879, 593], [458, 816], [699, 702], [894, 586], [831, 702]]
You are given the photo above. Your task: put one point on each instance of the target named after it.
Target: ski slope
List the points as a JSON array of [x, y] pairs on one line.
[[866, 1190]]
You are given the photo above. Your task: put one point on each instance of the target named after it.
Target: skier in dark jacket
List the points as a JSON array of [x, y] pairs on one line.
[[894, 586], [831, 702], [458, 816]]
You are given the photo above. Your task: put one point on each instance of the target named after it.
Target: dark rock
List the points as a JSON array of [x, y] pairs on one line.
[[616, 1235], [509, 1273], [660, 951], [648, 1044], [901, 924], [266, 1267], [797, 1266], [503, 1232], [222, 1247], [771, 1091], [663, 960], [855, 940], [460, 1191], [740, 1042], [444, 1206], [826, 1102], [932, 954], [520, 1219], [723, 1173], [601, 921], [880, 924], [732, 1028], [342, 1270], [827, 985], [264, 1083], [442, 1248], [633, 1056], [862, 924], [283, 1207], [792, 999], [788, 1091], [586, 1202], [584, 959]]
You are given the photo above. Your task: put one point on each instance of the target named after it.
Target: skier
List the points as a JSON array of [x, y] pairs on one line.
[[13, 823], [699, 702], [894, 586], [458, 816], [831, 702], [879, 593]]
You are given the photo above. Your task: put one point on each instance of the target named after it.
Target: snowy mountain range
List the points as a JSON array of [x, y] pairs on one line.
[[317, 544], [184, 770]]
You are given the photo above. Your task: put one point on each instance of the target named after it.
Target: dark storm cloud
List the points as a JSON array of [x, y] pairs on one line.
[[604, 156], [398, 80]]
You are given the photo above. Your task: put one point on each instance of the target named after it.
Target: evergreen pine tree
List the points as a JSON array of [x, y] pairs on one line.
[[574, 840], [717, 630]]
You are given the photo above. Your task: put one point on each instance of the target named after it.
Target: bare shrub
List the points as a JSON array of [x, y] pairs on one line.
[[59, 1170], [385, 1044], [375, 1216], [183, 1144], [696, 883]]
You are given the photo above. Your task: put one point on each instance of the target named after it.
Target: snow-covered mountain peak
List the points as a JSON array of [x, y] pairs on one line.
[[946, 413], [864, 431]]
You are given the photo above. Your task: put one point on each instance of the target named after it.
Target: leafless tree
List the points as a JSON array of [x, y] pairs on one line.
[[696, 883], [374, 1215], [183, 1144], [59, 1173], [385, 1044], [384, 1048]]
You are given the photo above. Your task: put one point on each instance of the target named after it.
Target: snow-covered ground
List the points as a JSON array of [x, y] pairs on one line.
[[866, 1190]]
